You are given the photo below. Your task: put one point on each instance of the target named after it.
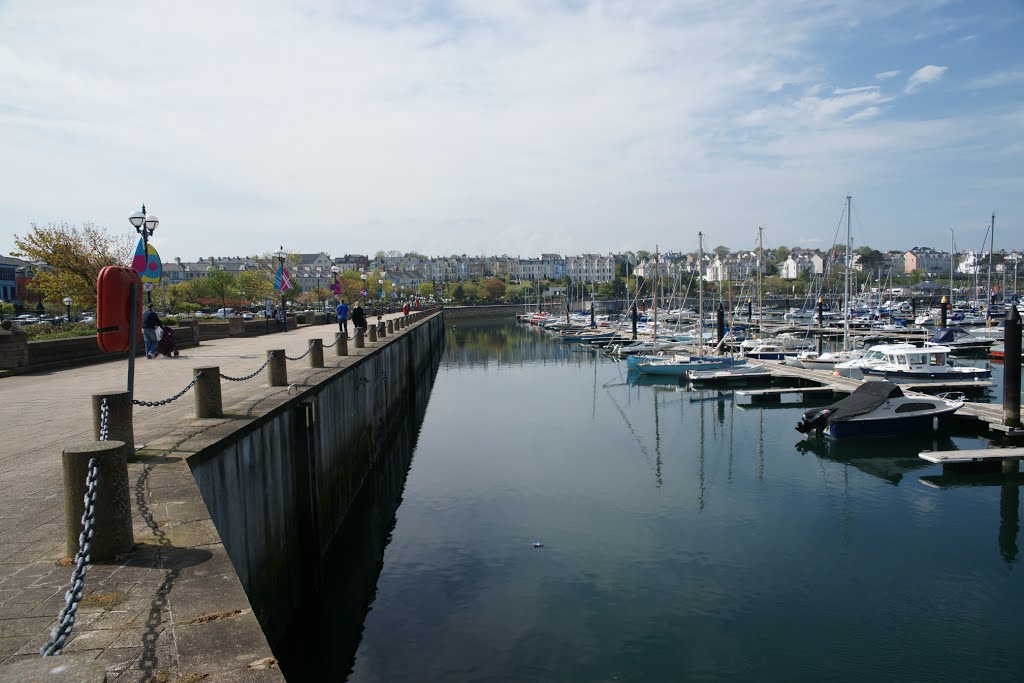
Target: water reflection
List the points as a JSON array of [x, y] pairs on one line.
[[324, 644], [889, 459], [684, 539]]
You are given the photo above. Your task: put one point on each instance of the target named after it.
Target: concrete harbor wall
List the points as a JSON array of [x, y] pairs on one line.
[[455, 313], [278, 490]]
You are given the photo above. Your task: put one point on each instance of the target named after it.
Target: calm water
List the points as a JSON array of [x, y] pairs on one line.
[[685, 537]]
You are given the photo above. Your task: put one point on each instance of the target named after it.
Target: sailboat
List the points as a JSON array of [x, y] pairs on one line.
[[678, 365], [812, 360]]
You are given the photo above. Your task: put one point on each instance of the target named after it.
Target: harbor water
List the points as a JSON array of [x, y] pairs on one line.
[[556, 521]]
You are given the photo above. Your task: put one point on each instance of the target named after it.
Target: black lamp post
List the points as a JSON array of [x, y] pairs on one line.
[[145, 226], [281, 254], [67, 302]]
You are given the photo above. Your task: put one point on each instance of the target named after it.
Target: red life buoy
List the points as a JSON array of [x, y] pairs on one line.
[[113, 307]]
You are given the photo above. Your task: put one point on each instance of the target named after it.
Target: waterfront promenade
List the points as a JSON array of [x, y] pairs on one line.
[[173, 610]]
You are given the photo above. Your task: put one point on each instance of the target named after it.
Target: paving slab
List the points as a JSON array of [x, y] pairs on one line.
[[173, 609]]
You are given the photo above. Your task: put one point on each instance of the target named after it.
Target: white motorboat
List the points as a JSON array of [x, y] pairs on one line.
[[878, 409], [959, 339], [913, 364]]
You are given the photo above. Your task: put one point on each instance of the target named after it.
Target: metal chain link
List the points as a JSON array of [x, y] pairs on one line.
[[73, 596], [153, 404], [311, 344], [250, 375], [104, 414], [336, 340]]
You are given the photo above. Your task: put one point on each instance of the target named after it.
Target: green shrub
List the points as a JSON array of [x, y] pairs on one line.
[[44, 331]]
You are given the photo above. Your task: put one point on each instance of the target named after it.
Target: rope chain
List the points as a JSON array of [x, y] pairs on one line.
[[336, 340], [250, 375], [311, 344], [152, 404], [73, 596]]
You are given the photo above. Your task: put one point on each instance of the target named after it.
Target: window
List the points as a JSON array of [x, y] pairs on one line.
[[913, 407]]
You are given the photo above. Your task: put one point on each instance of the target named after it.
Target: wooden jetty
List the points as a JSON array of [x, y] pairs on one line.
[[1005, 461], [971, 456], [822, 382]]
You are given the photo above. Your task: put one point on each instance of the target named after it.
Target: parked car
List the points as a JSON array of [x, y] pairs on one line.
[[26, 319], [246, 315], [223, 313]]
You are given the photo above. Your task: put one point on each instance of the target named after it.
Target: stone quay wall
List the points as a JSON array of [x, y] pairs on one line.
[[455, 313], [278, 488]]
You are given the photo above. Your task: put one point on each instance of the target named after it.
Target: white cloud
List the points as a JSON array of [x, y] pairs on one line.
[[923, 76], [997, 79], [458, 127], [885, 75]]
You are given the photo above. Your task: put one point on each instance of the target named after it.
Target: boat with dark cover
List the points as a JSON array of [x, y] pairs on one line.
[[878, 409]]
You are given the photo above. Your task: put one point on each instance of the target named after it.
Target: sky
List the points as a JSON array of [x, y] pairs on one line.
[[494, 127]]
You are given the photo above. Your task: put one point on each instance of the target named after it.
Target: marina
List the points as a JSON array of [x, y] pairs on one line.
[[675, 531]]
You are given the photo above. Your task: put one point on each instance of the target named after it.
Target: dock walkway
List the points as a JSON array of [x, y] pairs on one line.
[[990, 413], [174, 609]]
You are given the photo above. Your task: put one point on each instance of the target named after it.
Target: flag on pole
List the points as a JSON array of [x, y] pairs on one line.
[[363, 292], [394, 294], [282, 281]]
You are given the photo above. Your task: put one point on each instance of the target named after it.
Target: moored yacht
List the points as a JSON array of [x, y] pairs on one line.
[[928, 364]]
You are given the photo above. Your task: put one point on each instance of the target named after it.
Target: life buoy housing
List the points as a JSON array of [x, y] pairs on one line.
[[113, 307]]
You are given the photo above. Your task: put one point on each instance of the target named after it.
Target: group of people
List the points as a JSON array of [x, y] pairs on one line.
[[359, 317]]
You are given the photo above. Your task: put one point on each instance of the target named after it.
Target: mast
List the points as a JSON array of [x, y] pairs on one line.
[[760, 304], [846, 290], [700, 292], [654, 296], [952, 255], [991, 248]]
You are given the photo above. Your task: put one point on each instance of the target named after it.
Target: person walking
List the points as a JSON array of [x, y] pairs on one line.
[[342, 311], [150, 323], [359, 317]]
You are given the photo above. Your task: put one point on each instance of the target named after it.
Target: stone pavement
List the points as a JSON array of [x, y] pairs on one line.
[[172, 610]]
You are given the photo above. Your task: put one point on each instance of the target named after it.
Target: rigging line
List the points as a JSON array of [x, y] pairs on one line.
[[629, 426]]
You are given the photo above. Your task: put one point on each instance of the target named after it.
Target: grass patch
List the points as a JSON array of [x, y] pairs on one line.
[[105, 601]]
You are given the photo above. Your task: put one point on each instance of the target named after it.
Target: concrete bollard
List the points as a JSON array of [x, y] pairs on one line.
[[372, 330], [316, 353], [391, 327], [113, 509], [383, 331], [277, 371], [119, 417], [360, 339], [340, 344], [207, 392], [399, 324]]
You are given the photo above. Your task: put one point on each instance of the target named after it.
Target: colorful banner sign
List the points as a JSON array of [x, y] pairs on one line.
[[146, 262]]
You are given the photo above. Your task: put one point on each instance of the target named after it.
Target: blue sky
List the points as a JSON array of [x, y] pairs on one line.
[[505, 127]]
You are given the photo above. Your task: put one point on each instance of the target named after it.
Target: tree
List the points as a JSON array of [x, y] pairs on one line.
[[494, 288], [416, 255], [721, 251], [782, 253], [75, 256], [426, 289], [254, 285], [870, 259], [642, 255], [221, 283]]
